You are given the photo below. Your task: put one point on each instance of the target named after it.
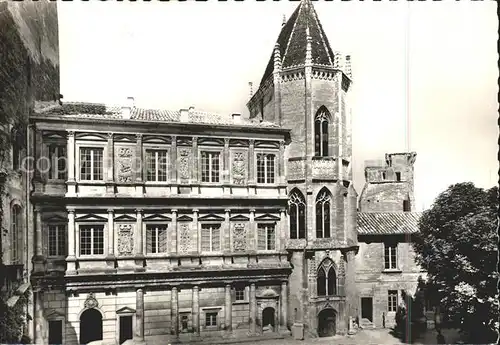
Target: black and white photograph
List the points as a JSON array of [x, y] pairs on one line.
[[249, 172]]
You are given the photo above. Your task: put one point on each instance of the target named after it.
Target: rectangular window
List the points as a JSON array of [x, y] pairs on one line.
[[240, 293], [55, 332], [210, 319], [91, 160], [91, 239], [156, 165], [57, 240], [390, 256], [156, 239], [266, 237], [57, 162], [210, 237], [265, 168], [398, 176], [392, 301], [210, 166]]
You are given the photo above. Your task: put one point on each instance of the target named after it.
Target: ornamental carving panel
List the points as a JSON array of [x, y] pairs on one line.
[[123, 165], [296, 170], [184, 239], [239, 169], [239, 237], [91, 302], [125, 240], [184, 167], [326, 169]]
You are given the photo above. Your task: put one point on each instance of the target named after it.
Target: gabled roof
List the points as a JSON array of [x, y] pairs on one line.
[[292, 40], [396, 223]]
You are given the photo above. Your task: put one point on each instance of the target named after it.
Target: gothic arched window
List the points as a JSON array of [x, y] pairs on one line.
[[321, 122], [15, 228], [323, 204], [326, 279], [297, 211]]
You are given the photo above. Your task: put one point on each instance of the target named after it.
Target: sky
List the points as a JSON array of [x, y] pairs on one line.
[[425, 73]]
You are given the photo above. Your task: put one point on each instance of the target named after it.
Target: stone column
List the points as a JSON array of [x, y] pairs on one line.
[[139, 316], [175, 311], [228, 309], [196, 310], [140, 244], [251, 162], [226, 235], [70, 163], [198, 230], [111, 232], [284, 305], [173, 234], [173, 159], [71, 258], [253, 309], [38, 259], [39, 319]]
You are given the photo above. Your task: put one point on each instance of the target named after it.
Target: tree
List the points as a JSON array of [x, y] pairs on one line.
[[457, 245]]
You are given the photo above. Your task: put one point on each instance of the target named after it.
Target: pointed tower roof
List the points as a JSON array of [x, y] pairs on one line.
[[292, 40]]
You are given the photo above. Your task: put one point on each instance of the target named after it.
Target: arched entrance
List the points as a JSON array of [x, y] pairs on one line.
[[90, 326], [268, 319], [326, 323]]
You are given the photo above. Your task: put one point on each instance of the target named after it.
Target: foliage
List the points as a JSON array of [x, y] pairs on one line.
[[457, 244], [410, 319], [12, 320]]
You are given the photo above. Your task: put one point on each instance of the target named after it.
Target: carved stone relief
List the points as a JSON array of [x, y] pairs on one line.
[[239, 237], [296, 170], [184, 164], [124, 160], [239, 171], [184, 239], [91, 302], [125, 239], [324, 168]]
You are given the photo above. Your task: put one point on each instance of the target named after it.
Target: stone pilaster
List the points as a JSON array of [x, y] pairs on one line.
[[173, 159], [197, 229], [139, 316], [173, 233], [70, 163], [251, 162], [252, 230], [226, 235], [39, 319], [196, 310], [281, 163], [196, 166], [253, 310], [284, 306], [109, 178], [39, 258], [111, 232], [139, 166], [225, 157], [228, 309], [71, 258], [175, 311]]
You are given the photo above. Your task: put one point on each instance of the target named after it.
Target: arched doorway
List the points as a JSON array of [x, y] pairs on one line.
[[90, 326], [326, 323], [268, 319]]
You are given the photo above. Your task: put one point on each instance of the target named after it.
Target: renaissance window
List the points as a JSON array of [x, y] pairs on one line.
[[321, 123], [156, 165], [240, 293], [15, 227], [57, 162], [91, 239], [210, 166], [156, 239], [326, 279], [91, 164], [390, 256], [210, 319], [297, 211], [392, 300], [323, 204], [57, 240], [210, 237], [265, 168], [266, 236]]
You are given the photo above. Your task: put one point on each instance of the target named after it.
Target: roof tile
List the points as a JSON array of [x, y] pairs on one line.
[[395, 223]]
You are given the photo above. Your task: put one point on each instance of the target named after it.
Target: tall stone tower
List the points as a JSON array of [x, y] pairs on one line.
[[306, 87]]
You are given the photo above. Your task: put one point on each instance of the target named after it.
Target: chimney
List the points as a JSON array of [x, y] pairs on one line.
[[236, 118], [184, 115], [127, 108]]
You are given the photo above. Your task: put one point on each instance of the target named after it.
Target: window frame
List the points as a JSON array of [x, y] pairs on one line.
[[57, 318], [328, 198], [210, 150], [169, 166], [207, 316], [65, 238], [392, 303], [325, 267], [267, 152], [301, 203], [53, 168], [78, 161], [157, 225], [242, 290], [322, 116], [104, 232], [211, 224], [16, 222], [267, 225], [390, 250]]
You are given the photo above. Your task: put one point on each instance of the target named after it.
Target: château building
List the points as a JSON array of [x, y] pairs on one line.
[[163, 226]]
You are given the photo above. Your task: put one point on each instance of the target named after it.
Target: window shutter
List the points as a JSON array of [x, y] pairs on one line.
[[205, 239], [216, 239], [149, 240], [261, 241], [162, 240]]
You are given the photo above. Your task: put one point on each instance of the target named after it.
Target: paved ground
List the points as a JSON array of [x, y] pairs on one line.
[[364, 337]]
